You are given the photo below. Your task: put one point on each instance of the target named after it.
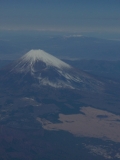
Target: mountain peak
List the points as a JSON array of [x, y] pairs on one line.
[[39, 55], [38, 68]]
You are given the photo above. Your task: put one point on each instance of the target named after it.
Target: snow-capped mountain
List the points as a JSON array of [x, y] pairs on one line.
[[27, 62], [42, 69]]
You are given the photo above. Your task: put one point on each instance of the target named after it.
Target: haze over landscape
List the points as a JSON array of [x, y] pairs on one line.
[[59, 80]]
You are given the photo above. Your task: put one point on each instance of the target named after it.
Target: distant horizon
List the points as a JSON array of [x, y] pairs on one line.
[[92, 18], [19, 32]]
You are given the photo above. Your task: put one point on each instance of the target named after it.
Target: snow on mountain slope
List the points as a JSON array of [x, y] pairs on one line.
[[27, 61], [47, 69], [42, 69]]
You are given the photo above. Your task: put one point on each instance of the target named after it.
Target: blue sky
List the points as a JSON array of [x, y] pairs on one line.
[[97, 17]]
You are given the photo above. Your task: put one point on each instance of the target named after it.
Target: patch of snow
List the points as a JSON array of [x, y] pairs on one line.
[[70, 77], [27, 98], [57, 84], [74, 36]]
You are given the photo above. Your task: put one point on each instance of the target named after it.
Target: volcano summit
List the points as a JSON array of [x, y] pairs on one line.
[[34, 56], [42, 69]]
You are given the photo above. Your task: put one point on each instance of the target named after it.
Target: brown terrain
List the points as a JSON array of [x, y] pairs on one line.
[[92, 123]]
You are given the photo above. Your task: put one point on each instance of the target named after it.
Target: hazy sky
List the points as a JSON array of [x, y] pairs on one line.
[[77, 16]]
